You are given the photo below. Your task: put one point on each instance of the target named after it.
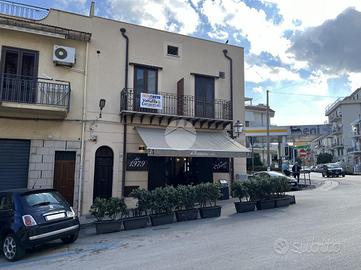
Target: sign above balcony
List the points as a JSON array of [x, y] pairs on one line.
[[151, 101]]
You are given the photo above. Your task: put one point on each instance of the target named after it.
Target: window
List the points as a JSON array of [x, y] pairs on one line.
[[19, 68], [145, 80], [172, 50], [247, 123]]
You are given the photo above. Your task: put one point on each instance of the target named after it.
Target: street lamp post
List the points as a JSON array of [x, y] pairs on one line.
[[268, 138]]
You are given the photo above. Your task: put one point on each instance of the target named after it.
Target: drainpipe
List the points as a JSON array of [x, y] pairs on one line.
[[123, 30], [83, 124], [225, 53]]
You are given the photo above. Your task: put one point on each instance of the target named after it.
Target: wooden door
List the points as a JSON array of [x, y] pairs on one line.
[[64, 172], [103, 173]]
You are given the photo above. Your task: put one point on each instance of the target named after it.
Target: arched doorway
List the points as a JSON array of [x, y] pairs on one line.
[[103, 172]]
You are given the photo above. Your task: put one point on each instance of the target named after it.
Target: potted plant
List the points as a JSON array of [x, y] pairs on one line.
[[138, 218], [207, 195], [162, 204], [280, 188], [240, 190], [185, 201], [106, 212], [264, 189]]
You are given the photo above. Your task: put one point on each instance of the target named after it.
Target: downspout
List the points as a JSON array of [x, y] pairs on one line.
[[125, 126], [83, 124], [225, 52]]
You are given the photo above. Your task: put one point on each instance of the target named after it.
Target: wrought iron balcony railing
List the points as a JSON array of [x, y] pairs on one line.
[[185, 105], [21, 10], [33, 90]]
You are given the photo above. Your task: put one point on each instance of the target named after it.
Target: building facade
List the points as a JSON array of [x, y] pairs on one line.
[[135, 106], [342, 116]]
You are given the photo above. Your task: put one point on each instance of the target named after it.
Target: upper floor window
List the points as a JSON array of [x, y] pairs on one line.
[[172, 50], [145, 80]]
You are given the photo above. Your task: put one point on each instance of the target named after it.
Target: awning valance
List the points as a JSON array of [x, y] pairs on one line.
[[188, 143]]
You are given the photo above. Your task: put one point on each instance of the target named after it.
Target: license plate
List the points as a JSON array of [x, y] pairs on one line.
[[55, 216]]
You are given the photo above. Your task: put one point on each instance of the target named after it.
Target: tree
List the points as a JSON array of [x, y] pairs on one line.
[[324, 158]]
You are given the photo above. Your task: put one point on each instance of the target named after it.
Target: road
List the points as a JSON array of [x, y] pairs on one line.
[[322, 231]]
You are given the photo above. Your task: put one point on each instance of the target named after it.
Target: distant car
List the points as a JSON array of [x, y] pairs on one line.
[[292, 183], [332, 169], [29, 218]]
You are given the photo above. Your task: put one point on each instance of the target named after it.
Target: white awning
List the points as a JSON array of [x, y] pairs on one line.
[[185, 143]]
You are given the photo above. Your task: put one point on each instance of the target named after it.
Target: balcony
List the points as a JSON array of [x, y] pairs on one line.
[[21, 10], [30, 97], [173, 107], [336, 145], [336, 130], [354, 150]]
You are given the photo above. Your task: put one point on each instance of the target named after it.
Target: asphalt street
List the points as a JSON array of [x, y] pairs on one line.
[[322, 231]]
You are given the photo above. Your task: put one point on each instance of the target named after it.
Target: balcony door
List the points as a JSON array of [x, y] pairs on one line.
[[204, 96], [18, 74], [145, 81]]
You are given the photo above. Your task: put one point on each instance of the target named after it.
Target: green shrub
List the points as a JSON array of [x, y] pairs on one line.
[[281, 186], [185, 197], [114, 207], [144, 201], [99, 208], [163, 200], [111, 208], [239, 190], [207, 194]]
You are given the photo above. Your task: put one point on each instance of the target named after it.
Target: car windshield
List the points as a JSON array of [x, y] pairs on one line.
[[42, 198], [333, 165]]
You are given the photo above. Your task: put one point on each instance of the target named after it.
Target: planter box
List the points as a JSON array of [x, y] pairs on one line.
[[266, 204], [135, 223], [283, 202], [242, 207], [161, 219], [184, 215], [292, 199], [209, 212], [108, 226]]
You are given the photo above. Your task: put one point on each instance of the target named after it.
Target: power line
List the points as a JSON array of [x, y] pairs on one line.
[[305, 95]]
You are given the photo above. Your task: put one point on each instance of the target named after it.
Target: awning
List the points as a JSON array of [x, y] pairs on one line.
[[187, 143]]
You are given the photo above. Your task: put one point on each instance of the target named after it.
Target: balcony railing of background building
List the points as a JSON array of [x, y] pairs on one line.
[[184, 105], [21, 10], [354, 149], [336, 130], [331, 106], [33, 90]]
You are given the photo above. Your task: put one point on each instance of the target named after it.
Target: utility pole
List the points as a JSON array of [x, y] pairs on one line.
[[268, 138]]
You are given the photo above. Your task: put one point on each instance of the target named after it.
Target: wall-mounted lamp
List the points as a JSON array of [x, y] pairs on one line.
[[141, 148], [238, 128], [101, 106]]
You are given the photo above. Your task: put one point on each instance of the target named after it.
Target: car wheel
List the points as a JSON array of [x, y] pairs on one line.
[[12, 249], [70, 239], [323, 175], [343, 175]]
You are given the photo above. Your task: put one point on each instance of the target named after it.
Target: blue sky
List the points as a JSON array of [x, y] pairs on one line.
[[297, 49]]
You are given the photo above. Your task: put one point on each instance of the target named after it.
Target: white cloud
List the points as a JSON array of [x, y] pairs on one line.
[[160, 14], [311, 12], [258, 90]]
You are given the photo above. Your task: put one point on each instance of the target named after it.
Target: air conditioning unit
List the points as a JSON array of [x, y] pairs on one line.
[[64, 56]]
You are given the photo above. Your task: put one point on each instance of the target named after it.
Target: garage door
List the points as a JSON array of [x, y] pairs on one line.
[[14, 163]]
